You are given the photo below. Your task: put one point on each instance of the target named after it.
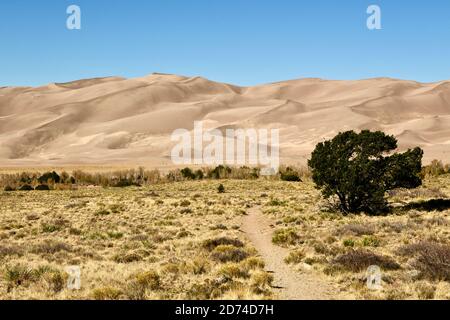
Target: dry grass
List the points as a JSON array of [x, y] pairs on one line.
[[158, 242], [181, 240], [431, 259], [359, 260], [343, 247]]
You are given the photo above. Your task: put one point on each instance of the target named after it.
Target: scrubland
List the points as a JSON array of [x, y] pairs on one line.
[[183, 240]]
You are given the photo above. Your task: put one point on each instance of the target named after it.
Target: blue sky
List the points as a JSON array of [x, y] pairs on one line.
[[244, 42]]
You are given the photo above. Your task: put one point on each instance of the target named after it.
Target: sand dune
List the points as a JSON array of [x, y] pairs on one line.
[[129, 121]]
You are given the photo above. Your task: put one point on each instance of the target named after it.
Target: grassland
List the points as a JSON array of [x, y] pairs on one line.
[[183, 240]]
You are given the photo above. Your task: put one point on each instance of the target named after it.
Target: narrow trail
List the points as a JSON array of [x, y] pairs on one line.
[[289, 284]]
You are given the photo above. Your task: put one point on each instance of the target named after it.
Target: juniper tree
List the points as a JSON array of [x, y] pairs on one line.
[[359, 169]]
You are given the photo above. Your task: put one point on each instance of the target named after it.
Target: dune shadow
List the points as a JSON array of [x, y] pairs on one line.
[[429, 205]]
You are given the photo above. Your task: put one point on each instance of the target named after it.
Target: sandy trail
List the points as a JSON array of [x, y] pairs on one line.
[[288, 283]]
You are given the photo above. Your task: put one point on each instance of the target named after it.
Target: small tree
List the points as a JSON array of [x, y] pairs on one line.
[[187, 174], [51, 177], [289, 174], [358, 169]]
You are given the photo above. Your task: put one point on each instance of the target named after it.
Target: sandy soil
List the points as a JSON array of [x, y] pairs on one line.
[[290, 284]]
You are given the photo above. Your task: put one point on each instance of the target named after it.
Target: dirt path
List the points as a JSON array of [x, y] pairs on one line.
[[289, 284]]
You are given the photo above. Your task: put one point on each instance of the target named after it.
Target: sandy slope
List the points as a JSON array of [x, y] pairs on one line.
[[129, 121]]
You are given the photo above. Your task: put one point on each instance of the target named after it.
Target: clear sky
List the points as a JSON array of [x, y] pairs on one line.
[[243, 42]]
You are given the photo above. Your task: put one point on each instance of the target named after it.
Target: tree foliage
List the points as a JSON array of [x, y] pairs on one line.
[[52, 177], [359, 168]]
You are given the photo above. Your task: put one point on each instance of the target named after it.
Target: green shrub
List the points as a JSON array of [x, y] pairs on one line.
[[51, 177], [106, 293], [115, 235], [26, 187], [349, 243], [102, 212], [253, 263], [187, 174], [211, 244], [149, 279], [199, 175], [228, 253], [42, 187], [355, 168], [233, 270], [295, 257], [18, 275], [371, 242], [219, 172], [185, 203], [276, 203], [127, 257], [290, 175], [50, 228], [261, 281], [286, 236]]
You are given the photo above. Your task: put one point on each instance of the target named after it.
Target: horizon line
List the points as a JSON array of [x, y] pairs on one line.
[[227, 82]]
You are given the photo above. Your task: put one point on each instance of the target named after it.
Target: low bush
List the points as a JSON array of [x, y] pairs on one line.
[[51, 177], [370, 241], [10, 250], [127, 257], [430, 258], [26, 187], [123, 183], [425, 290], [359, 260], [289, 174], [253, 263], [286, 236], [50, 247], [231, 271], [295, 257], [189, 174], [219, 172], [18, 275], [354, 229], [430, 205], [348, 243], [106, 293], [435, 168], [211, 244], [42, 187], [261, 281], [50, 227], [149, 280], [228, 253]]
